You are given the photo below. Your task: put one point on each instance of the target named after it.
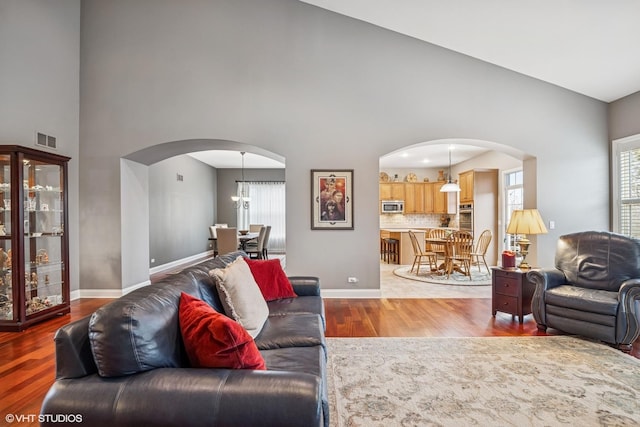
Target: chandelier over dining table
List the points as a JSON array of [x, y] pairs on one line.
[[242, 200]]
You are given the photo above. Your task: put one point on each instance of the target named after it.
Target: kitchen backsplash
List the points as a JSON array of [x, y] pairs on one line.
[[415, 220]]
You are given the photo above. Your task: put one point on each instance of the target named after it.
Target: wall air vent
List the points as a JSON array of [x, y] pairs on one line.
[[45, 140]]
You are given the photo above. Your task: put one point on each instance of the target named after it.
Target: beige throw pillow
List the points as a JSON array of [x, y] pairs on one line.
[[241, 296]]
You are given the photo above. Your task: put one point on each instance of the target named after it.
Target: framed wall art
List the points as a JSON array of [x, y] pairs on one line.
[[332, 199]]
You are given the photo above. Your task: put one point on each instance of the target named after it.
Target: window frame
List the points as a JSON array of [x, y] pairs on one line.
[[509, 242], [619, 146]]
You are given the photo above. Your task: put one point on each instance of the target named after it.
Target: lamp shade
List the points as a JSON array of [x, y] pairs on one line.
[[526, 221], [450, 187]]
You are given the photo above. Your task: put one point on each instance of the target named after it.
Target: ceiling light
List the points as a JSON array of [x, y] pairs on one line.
[[450, 187], [243, 199]]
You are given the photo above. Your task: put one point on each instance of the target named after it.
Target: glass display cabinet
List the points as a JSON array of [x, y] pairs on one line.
[[34, 249]]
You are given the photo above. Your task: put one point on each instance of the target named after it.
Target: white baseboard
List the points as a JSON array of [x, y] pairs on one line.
[[107, 293], [351, 293], [117, 293]]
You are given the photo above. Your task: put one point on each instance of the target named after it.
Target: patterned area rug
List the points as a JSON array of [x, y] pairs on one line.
[[497, 381], [478, 278]]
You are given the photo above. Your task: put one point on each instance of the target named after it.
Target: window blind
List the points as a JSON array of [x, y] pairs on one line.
[[629, 192]]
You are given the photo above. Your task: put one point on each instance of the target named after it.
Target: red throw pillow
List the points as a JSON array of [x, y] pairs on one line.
[[213, 340], [271, 279]]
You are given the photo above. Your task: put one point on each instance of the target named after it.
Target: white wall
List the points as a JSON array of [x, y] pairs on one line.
[[39, 75], [324, 91]]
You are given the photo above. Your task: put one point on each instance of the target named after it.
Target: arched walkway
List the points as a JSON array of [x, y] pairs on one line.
[[134, 198]]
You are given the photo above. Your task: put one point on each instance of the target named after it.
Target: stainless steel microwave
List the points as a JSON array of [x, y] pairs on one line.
[[391, 206]]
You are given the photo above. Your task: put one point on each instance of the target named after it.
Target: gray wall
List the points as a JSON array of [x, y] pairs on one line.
[[324, 91], [227, 187], [180, 212], [39, 74], [624, 117]]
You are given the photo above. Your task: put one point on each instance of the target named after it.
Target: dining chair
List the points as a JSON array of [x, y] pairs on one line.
[[265, 251], [213, 234], [255, 228], [256, 248], [419, 254], [227, 240], [438, 249], [481, 249], [460, 258]]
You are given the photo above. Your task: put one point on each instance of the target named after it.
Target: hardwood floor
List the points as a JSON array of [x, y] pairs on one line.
[[27, 363]]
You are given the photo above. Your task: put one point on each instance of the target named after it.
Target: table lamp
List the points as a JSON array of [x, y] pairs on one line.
[[525, 221]]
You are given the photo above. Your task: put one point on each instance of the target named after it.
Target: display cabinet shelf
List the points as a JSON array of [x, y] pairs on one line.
[[34, 249]]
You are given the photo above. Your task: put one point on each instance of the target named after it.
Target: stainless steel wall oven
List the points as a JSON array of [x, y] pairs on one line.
[[465, 218]]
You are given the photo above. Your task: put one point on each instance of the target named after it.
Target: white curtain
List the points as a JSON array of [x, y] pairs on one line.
[[267, 206]]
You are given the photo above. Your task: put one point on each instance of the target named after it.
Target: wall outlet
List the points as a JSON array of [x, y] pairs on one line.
[[153, 260], [552, 225], [352, 280]]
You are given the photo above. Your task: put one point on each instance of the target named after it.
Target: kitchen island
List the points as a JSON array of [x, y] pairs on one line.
[[402, 235]]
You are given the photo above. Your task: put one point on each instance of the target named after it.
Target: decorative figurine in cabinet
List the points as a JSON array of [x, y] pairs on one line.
[[34, 248]]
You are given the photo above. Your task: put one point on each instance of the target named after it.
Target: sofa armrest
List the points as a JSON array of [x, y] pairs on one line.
[[73, 350], [191, 397], [543, 279], [305, 285]]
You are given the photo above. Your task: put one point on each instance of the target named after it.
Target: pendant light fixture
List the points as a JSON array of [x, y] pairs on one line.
[[243, 199], [450, 187]]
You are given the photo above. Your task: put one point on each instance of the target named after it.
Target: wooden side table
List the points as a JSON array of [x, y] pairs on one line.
[[512, 292]]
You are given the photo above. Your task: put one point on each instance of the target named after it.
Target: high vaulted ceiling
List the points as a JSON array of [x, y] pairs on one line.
[[591, 47], [588, 46]]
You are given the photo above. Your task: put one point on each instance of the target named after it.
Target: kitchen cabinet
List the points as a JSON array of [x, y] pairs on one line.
[[392, 191], [439, 198], [414, 198], [466, 187], [34, 247], [434, 200], [419, 197]]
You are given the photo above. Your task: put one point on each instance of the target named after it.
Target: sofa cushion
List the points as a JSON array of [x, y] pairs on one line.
[[583, 299], [294, 306], [308, 360], [240, 295], [213, 340], [598, 259], [301, 330], [140, 331], [271, 279]]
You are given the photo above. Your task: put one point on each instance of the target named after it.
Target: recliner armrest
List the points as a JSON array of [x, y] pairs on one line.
[[305, 285], [629, 294], [547, 278]]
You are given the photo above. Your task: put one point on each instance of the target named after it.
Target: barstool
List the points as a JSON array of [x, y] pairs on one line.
[[392, 251]]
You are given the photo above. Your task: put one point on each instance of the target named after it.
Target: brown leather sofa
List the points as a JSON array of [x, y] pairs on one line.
[[142, 376], [594, 290]]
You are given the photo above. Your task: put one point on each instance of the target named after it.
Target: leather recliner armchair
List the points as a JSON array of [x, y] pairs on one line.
[[594, 290]]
